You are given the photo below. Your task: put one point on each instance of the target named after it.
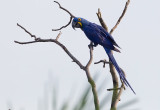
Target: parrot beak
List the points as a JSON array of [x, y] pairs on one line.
[[73, 25]]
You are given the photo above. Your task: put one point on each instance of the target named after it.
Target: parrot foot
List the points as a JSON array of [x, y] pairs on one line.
[[91, 45]]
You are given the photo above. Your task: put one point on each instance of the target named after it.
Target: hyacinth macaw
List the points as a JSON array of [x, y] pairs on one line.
[[98, 35]]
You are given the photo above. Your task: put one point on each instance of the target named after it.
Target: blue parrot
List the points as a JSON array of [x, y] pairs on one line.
[[98, 35]]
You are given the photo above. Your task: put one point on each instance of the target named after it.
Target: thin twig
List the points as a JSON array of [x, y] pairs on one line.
[[64, 9], [113, 89], [64, 25], [58, 35], [71, 16], [26, 31], [120, 18], [91, 56], [102, 61]]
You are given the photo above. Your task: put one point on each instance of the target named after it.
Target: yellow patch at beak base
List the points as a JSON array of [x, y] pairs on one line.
[[80, 24]]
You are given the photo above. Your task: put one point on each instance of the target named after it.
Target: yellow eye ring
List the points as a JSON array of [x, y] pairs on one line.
[[79, 19]]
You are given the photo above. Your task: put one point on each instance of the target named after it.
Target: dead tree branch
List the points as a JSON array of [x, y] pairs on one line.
[[71, 16], [85, 68], [116, 90], [26, 31], [101, 20], [91, 57], [120, 18], [64, 9], [103, 61]]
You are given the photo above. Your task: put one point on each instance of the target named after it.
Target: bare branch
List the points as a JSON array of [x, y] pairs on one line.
[[93, 85], [91, 56], [71, 16], [101, 20], [102, 61], [64, 9], [113, 89], [94, 91], [120, 18], [26, 31], [29, 42], [64, 25]]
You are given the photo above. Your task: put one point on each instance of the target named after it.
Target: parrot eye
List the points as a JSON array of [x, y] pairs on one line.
[[79, 19]]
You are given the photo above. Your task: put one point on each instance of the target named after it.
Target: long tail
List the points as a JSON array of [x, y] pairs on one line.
[[120, 72]]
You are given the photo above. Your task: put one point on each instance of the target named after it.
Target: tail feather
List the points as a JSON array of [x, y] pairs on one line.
[[120, 72], [115, 49]]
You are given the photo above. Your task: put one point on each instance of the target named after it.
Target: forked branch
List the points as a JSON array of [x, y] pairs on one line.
[[71, 17], [103, 61], [64, 9], [120, 18]]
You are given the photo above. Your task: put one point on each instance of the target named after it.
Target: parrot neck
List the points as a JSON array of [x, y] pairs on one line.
[[85, 25]]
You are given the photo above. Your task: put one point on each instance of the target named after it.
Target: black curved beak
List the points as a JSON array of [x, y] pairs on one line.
[[75, 25]]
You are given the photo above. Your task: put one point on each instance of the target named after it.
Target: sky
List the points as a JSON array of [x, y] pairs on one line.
[[29, 71]]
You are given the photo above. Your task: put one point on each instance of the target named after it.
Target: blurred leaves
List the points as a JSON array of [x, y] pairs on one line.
[[85, 99], [82, 102], [55, 95]]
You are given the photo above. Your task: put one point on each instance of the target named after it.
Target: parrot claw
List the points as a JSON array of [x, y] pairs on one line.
[[91, 45]]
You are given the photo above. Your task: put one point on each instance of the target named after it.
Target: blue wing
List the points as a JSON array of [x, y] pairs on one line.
[[105, 34], [99, 35]]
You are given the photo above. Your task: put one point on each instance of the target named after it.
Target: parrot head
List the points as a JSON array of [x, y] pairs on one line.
[[79, 22]]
